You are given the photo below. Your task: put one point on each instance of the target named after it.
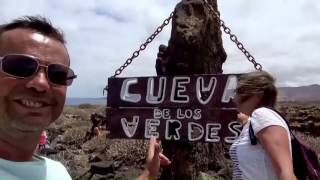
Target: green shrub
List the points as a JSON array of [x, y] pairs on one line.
[[86, 106]]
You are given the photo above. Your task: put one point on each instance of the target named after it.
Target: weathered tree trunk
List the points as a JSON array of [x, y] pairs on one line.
[[195, 47]]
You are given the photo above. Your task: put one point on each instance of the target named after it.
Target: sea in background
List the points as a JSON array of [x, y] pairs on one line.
[[285, 94], [94, 101]]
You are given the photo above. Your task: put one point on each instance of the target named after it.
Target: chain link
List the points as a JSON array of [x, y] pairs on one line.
[[233, 37], [226, 29], [143, 46]]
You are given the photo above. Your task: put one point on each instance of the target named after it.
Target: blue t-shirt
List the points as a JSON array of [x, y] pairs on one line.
[[40, 168]]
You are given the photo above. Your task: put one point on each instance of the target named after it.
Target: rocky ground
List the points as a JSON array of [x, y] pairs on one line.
[[124, 159]]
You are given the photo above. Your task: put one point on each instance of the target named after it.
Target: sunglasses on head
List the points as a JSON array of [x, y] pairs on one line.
[[25, 66]]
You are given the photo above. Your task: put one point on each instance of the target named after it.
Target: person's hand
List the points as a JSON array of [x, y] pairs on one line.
[[243, 118], [154, 159]]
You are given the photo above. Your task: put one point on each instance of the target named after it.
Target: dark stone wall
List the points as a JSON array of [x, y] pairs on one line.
[[195, 46]]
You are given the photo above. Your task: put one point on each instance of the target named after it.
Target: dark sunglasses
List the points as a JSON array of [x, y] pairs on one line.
[[25, 66]]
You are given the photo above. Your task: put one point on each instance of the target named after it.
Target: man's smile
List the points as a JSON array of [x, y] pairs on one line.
[[32, 103]]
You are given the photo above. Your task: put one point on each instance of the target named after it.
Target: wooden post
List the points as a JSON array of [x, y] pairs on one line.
[[195, 47]]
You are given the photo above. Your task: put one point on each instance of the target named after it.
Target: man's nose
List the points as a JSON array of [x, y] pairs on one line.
[[39, 81]]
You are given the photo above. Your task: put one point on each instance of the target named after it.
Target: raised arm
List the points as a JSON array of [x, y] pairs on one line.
[[154, 159]]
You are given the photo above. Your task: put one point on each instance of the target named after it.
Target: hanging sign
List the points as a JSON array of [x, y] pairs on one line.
[[180, 108]]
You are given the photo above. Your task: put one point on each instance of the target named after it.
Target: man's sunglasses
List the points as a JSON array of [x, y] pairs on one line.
[[25, 66]]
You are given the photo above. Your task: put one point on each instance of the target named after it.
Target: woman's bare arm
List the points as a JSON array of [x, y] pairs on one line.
[[274, 139]]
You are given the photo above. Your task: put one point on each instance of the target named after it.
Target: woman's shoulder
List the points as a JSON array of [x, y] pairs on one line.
[[263, 117], [265, 113], [261, 113], [262, 110]]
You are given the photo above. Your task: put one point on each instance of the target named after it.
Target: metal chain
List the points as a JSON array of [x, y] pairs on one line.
[[233, 37], [226, 29], [143, 46]]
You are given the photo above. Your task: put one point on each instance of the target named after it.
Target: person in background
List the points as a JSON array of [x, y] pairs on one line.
[[42, 141], [97, 124], [270, 159]]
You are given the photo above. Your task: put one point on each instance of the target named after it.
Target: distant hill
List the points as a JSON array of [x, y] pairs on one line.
[[78, 101], [301, 94]]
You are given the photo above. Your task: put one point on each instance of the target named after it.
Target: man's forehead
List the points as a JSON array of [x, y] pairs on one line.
[[24, 34], [39, 37], [28, 41]]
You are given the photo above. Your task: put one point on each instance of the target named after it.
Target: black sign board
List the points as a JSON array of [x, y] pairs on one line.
[[181, 108]]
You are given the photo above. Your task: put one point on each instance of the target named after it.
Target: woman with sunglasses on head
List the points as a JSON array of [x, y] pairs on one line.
[[270, 158]]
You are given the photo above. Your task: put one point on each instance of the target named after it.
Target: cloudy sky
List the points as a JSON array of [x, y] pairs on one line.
[[283, 35]]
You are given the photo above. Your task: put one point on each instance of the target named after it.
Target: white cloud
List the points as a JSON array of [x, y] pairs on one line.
[[283, 35]]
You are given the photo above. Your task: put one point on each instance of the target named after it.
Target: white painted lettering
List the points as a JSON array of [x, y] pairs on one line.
[[235, 129], [172, 130], [228, 92], [195, 131], [156, 99], [125, 95], [130, 128], [151, 128], [161, 113], [212, 132], [197, 114], [179, 114], [204, 94], [178, 87]]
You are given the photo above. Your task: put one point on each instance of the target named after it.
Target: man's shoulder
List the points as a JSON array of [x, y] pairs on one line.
[[55, 168], [49, 161]]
